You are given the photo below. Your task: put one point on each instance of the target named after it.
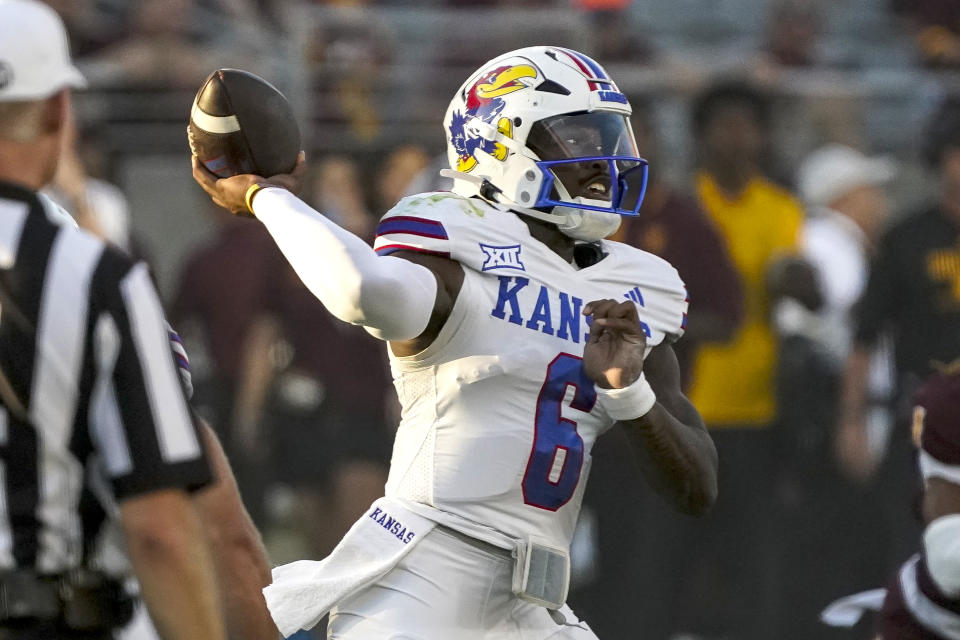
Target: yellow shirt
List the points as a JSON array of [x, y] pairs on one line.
[[733, 382]]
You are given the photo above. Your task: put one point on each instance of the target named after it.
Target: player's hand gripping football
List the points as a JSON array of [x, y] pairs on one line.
[[613, 356], [230, 193]]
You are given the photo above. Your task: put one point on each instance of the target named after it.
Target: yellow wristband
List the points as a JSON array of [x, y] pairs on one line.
[[252, 191]]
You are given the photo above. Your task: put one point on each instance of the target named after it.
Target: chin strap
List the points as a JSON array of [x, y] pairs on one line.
[[489, 192], [577, 224]]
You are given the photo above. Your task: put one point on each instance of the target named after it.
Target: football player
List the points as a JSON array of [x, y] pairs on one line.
[[517, 335], [923, 599]]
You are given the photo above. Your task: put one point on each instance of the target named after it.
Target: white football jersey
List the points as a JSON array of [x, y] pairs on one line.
[[498, 416]]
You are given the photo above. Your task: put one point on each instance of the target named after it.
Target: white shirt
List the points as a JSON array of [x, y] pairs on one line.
[[837, 249]]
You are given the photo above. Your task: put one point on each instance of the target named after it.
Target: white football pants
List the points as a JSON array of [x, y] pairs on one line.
[[450, 587]]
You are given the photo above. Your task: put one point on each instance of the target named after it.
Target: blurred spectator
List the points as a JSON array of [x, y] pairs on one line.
[[759, 221], [429, 178], [317, 414], [347, 54], [177, 43], [338, 192], [222, 289], [792, 32], [158, 50], [913, 291], [820, 513], [848, 210], [936, 28], [733, 383], [222, 286], [401, 168], [637, 545]]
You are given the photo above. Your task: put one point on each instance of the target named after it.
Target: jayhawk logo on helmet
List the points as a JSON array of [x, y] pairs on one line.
[[484, 102]]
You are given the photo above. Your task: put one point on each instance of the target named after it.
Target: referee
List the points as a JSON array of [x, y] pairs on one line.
[[93, 417]]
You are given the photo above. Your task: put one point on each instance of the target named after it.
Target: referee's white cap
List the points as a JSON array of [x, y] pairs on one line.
[[34, 54]]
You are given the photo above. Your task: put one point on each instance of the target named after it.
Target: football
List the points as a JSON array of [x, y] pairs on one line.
[[240, 123]]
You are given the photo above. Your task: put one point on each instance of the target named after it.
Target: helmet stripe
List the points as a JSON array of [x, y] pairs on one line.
[[596, 68], [583, 67]]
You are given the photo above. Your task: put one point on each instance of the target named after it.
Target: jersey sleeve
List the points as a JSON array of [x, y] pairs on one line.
[[183, 360], [441, 224], [658, 291], [413, 225], [676, 306], [140, 421]]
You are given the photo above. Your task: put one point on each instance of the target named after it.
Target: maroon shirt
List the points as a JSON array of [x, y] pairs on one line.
[[351, 364], [224, 286]]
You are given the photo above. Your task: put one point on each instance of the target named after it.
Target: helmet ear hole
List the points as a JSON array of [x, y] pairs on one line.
[[488, 191]]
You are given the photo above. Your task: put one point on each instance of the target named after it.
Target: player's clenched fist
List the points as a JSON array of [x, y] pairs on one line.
[[234, 193], [613, 355]]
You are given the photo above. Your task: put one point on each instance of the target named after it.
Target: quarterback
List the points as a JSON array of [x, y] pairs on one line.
[[517, 336]]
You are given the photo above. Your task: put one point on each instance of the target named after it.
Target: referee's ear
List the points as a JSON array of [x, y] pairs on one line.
[[57, 113]]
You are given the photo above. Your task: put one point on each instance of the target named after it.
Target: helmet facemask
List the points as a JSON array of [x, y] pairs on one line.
[[589, 161]]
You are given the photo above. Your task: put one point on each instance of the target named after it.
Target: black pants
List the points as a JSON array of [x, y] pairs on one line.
[[663, 572], [46, 631], [713, 572]]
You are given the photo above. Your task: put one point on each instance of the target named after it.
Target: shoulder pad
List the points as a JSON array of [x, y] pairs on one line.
[[654, 284], [447, 225]]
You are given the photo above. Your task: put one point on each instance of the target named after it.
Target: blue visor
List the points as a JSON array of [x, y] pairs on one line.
[[619, 180]]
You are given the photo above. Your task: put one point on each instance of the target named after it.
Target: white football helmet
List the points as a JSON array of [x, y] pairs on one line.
[[545, 132]]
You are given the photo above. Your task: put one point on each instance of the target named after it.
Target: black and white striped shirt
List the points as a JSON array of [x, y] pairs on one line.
[[93, 409]]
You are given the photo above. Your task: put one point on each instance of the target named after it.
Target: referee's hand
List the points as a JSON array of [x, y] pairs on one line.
[[231, 193]]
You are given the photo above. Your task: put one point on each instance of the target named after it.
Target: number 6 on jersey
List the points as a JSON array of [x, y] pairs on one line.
[[553, 469]]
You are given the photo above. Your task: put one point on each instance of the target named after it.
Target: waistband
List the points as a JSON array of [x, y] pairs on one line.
[[466, 527], [486, 547]]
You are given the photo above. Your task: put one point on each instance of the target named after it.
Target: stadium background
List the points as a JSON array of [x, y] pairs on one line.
[[370, 81]]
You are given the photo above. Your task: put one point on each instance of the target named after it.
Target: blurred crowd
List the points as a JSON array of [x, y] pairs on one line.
[[824, 276]]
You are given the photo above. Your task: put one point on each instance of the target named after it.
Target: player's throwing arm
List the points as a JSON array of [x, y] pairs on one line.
[[392, 298]]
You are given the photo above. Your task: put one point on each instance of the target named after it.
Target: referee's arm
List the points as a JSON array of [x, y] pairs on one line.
[[237, 550], [153, 454]]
